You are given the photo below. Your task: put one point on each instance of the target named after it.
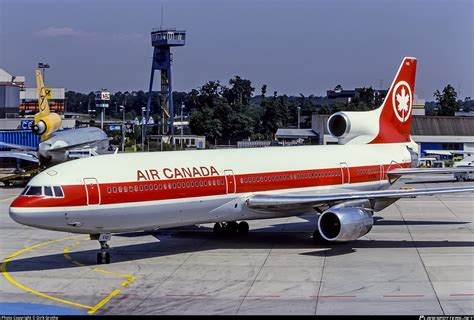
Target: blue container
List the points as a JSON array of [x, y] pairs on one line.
[[24, 138]]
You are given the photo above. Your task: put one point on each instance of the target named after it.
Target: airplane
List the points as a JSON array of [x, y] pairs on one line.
[[55, 143], [345, 183]]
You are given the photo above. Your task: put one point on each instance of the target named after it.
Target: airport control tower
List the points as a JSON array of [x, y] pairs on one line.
[[162, 40]]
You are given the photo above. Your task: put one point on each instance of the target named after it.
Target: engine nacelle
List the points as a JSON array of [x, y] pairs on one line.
[[345, 224], [44, 126], [346, 126]]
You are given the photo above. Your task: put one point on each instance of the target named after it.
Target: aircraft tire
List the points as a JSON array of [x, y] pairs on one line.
[[243, 227], [99, 258], [232, 227], [107, 258], [218, 228]]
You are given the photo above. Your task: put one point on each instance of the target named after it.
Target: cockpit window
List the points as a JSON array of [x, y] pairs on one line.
[[48, 191], [34, 191], [58, 192], [24, 191]]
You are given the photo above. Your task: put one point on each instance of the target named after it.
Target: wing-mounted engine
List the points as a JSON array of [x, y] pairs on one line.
[[353, 127], [345, 224]]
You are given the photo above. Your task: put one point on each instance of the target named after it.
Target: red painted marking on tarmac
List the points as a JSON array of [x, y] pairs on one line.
[[462, 295], [186, 295], [260, 296], [403, 295], [330, 297]]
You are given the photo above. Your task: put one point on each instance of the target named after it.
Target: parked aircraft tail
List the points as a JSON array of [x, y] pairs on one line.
[[46, 122], [390, 123]]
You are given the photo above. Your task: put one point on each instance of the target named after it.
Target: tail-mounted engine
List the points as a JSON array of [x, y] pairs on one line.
[[45, 125], [357, 127]]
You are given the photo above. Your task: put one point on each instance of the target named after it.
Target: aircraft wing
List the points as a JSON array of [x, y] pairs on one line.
[[407, 171], [18, 155], [285, 202]]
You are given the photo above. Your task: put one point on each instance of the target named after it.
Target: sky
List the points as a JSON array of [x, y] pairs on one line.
[[294, 46]]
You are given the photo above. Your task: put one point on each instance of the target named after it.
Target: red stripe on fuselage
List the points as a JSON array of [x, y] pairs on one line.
[[153, 190]]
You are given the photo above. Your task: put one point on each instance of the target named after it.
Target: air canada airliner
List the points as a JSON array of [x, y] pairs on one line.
[[344, 184]]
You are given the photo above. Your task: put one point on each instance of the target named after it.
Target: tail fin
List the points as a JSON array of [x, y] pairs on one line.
[[46, 122], [396, 110], [43, 101]]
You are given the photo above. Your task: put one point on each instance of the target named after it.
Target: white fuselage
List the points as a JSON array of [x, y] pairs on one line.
[[146, 191]]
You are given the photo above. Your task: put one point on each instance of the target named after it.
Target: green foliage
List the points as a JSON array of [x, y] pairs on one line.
[[447, 101]]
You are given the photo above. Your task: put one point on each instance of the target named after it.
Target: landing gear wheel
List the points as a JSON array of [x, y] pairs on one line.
[[103, 256], [99, 257], [232, 227], [218, 228], [243, 227], [107, 257]]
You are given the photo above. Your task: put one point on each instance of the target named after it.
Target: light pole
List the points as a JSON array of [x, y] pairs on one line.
[[123, 127], [143, 128], [299, 108], [43, 66], [182, 107]]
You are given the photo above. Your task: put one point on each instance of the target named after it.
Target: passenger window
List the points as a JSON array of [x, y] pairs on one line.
[[156, 187], [161, 186], [115, 189], [125, 189], [109, 190], [146, 187], [130, 188], [48, 191], [34, 191], [205, 183], [120, 189], [136, 188], [58, 192], [141, 188]]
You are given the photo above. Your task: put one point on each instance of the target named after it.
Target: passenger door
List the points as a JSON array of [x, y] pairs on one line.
[[345, 173], [230, 181], [92, 191]]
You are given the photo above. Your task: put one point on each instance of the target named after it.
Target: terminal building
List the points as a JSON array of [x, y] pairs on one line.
[[10, 87]]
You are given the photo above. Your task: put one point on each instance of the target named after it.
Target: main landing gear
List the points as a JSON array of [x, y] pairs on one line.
[[104, 255], [232, 227]]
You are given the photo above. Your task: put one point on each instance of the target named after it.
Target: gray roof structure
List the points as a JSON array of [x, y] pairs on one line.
[[284, 133]]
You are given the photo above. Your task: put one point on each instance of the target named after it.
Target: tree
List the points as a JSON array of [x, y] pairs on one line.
[[447, 101]]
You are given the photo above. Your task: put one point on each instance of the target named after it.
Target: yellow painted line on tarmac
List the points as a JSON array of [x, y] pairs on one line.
[[3, 269], [92, 309], [129, 277], [103, 302], [9, 198]]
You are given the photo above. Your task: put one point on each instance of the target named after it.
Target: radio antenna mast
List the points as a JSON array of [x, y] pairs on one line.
[[161, 25]]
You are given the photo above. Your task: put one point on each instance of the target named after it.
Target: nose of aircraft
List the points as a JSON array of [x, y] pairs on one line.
[[20, 215]]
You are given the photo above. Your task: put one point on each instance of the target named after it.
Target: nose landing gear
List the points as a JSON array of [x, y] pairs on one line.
[[104, 255]]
